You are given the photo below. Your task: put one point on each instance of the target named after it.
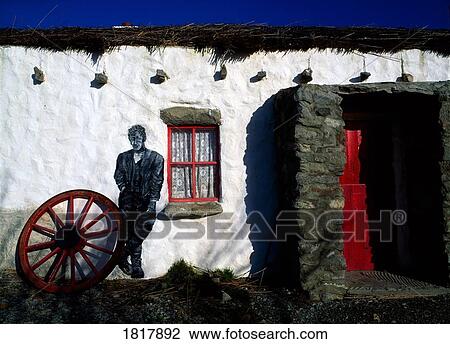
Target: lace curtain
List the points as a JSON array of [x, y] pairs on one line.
[[205, 150]]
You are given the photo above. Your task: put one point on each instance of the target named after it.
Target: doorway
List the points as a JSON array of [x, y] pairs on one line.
[[393, 149]]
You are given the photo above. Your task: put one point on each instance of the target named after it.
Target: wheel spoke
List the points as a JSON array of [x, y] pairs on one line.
[[99, 234], [43, 230], [99, 248], [86, 258], [70, 211], [94, 221], [72, 268], [94, 255], [40, 246], [56, 268], [52, 266], [84, 212], [55, 218], [80, 270], [45, 258]]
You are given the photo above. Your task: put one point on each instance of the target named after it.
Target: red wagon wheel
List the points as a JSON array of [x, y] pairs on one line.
[[71, 242]]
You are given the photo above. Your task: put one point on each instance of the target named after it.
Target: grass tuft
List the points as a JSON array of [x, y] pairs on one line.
[[181, 272]]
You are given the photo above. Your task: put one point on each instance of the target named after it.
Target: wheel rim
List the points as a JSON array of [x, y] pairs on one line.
[[71, 242]]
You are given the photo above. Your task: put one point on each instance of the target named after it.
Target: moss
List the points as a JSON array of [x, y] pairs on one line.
[[225, 275], [181, 272]]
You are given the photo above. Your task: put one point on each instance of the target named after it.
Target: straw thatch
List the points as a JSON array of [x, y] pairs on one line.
[[232, 41]]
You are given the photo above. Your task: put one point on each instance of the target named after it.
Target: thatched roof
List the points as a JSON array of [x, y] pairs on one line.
[[233, 41]]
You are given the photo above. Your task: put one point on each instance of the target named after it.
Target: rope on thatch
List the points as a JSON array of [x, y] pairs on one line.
[[232, 41]]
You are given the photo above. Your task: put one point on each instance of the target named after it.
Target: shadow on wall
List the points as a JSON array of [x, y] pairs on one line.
[[5, 180], [11, 224], [262, 195]]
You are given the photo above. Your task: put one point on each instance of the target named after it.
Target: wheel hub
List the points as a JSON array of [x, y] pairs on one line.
[[67, 237]]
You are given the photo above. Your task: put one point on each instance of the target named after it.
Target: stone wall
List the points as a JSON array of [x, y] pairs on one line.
[[310, 141], [444, 119], [311, 151]]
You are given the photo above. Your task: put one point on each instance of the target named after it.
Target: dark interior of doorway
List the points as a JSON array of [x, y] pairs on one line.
[[399, 156]]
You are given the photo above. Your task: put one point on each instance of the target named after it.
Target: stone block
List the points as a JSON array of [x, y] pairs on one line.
[[306, 134], [181, 115], [312, 121], [190, 210]]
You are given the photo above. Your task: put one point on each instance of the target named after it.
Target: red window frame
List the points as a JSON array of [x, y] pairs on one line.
[[193, 164]]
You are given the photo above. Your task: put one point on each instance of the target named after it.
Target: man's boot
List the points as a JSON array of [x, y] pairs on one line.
[[136, 269], [123, 264]]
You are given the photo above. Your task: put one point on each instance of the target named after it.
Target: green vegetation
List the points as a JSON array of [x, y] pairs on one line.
[[225, 275], [181, 272]]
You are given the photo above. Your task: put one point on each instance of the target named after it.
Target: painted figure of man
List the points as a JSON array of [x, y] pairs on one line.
[[139, 175]]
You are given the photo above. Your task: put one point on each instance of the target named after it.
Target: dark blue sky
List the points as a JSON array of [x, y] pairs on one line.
[[104, 13]]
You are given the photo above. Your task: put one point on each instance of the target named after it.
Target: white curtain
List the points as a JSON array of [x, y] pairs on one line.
[[205, 182], [181, 152], [205, 145], [205, 150], [181, 182], [181, 145]]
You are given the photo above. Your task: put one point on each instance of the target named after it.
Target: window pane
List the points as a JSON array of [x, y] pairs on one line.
[[182, 182], [205, 145], [205, 181], [181, 145]]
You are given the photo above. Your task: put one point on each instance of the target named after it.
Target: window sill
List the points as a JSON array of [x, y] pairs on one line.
[[190, 210]]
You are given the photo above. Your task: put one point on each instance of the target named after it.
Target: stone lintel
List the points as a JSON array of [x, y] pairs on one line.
[[181, 115], [190, 210]]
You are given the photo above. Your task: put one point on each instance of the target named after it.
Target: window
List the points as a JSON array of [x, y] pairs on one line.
[[193, 163]]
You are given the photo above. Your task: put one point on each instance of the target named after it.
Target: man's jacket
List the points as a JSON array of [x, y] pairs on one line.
[[152, 172]]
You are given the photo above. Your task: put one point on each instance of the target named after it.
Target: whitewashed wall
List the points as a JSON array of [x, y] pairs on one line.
[[64, 134]]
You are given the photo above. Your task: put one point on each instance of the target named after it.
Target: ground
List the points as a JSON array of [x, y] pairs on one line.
[[205, 300]]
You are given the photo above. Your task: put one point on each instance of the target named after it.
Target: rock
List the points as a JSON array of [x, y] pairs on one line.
[[306, 76], [364, 76], [101, 78], [38, 75], [161, 76], [223, 72], [183, 115], [225, 297], [261, 74], [406, 78], [190, 210]]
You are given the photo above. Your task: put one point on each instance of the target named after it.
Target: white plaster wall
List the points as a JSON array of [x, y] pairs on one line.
[[64, 134]]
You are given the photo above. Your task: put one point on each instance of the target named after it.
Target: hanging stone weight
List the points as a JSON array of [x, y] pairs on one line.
[[406, 77], [101, 78], [161, 76], [306, 76], [364, 76], [223, 72], [259, 76], [38, 74]]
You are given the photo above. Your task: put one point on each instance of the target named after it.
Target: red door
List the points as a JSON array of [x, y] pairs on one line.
[[357, 251]]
